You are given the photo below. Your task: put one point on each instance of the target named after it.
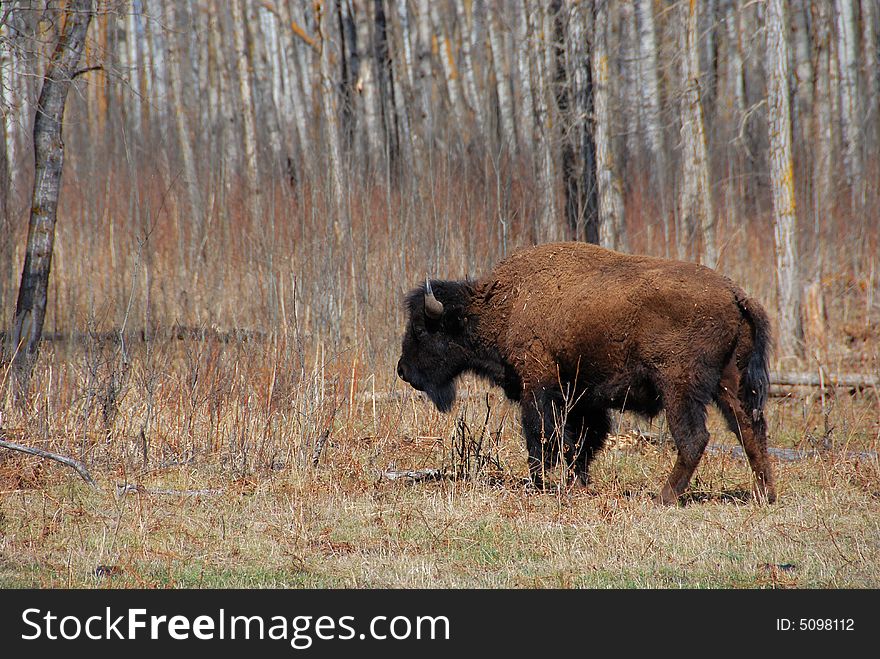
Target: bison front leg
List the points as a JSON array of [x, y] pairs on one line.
[[687, 423], [540, 431]]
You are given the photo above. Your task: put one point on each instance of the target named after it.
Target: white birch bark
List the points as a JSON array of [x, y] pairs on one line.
[[227, 112], [612, 232], [848, 63], [181, 119], [450, 70], [366, 87], [335, 189], [299, 87], [823, 135], [134, 64], [425, 76], [264, 101], [649, 87], [468, 65], [158, 86], [802, 68], [10, 108], [790, 326], [249, 129], [526, 107], [502, 80], [871, 49], [629, 49], [548, 223], [696, 208], [736, 92]]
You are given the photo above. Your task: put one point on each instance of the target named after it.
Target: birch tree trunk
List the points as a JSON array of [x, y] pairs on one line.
[[419, 75], [803, 67], [450, 71], [649, 96], [469, 68], [386, 91], [30, 309], [612, 231], [265, 107], [735, 70], [335, 191], [649, 108], [526, 107], [299, 93], [790, 324], [823, 127], [249, 121], [696, 208], [368, 104], [871, 48], [502, 81], [848, 64], [548, 227], [184, 134], [402, 91]]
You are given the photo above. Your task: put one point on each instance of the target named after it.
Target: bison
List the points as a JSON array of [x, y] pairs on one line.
[[572, 331]]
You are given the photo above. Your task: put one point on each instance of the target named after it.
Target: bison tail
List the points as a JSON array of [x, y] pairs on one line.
[[756, 377]]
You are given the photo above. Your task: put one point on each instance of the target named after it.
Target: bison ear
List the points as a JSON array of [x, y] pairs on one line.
[[433, 306]]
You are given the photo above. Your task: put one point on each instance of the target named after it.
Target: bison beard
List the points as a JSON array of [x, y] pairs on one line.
[[571, 331]]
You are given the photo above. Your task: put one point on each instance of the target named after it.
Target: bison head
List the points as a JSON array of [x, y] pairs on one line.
[[434, 350]]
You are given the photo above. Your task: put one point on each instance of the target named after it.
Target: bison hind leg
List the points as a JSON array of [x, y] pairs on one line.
[[750, 430]]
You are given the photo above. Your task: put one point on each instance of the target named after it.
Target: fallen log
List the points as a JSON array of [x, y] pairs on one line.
[[76, 465], [853, 380]]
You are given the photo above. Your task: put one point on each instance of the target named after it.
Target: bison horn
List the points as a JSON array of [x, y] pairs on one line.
[[433, 306]]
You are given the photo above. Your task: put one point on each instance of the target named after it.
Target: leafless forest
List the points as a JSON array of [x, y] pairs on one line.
[[249, 188], [249, 165]]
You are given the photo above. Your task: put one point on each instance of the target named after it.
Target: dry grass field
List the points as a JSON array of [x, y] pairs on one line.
[[229, 461], [235, 399]]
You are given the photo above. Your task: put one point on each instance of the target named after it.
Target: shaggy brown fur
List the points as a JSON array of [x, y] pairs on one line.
[[572, 330]]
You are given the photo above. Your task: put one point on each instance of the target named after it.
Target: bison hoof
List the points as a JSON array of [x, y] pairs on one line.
[[666, 498]]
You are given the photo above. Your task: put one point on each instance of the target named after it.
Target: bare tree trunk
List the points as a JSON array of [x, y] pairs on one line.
[[649, 108], [803, 68], [696, 194], [132, 43], [422, 118], [386, 91], [848, 64], [450, 72], [368, 103], [181, 122], [502, 81], [300, 89], [548, 227], [265, 108], [735, 69], [579, 149], [249, 121], [871, 48], [336, 192], [30, 309], [612, 231], [526, 107], [402, 91], [823, 126], [649, 97], [782, 178], [469, 68]]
